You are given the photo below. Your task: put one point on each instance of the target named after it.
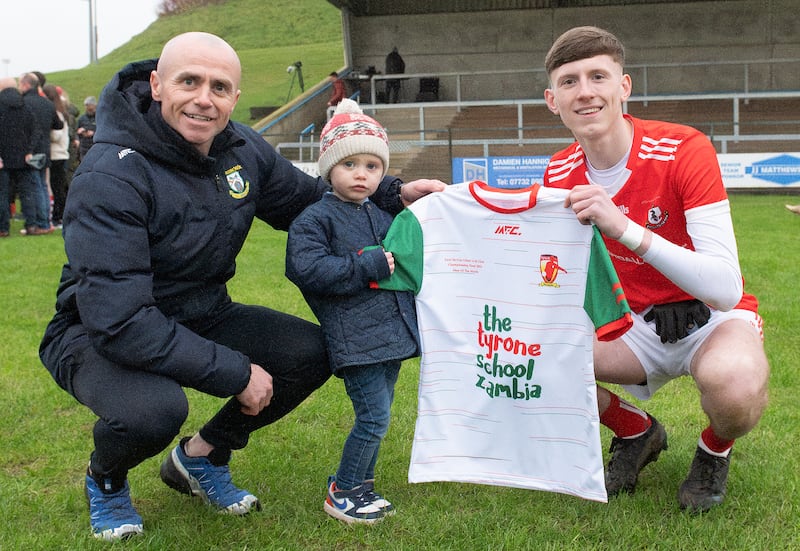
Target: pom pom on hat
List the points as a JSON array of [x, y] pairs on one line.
[[351, 132]]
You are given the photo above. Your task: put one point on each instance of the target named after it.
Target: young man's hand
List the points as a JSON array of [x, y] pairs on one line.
[[412, 191]]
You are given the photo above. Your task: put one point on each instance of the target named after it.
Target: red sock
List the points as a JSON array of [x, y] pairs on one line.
[[626, 420], [714, 443]]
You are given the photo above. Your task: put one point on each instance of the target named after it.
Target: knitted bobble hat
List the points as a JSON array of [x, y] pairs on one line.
[[351, 132]]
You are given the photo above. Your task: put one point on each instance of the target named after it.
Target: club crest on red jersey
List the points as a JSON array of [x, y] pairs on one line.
[[656, 217]]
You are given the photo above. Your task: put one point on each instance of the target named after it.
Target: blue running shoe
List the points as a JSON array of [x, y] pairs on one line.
[[112, 514], [351, 506], [199, 477]]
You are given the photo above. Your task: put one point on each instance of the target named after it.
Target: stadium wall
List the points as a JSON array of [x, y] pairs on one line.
[[663, 33]]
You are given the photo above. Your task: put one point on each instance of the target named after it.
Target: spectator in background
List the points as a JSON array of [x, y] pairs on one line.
[[42, 80], [338, 93], [86, 127], [17, 139], [72, 122], [72, 110], [46, 120], [394, 66], [59, 156]]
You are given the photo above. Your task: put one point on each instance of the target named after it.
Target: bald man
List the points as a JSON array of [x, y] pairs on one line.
[[157, 212]]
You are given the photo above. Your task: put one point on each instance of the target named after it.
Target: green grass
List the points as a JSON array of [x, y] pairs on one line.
[[45, 437], [269, 36]]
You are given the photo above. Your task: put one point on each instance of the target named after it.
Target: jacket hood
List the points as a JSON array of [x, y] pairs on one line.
[[128, 116], [11, 98]]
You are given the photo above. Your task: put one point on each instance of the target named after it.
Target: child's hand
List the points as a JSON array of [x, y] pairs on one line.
[[389, 261]]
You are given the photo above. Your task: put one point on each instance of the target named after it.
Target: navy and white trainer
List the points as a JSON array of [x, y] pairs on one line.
[[376, 498], [351, 506]]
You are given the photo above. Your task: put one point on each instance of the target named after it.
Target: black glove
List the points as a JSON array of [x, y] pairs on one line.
[[674, 319]]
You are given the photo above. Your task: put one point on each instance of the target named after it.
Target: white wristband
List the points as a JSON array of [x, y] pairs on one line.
[[633, 236]]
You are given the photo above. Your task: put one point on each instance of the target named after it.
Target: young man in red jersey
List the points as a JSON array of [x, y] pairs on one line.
[[655, 191]]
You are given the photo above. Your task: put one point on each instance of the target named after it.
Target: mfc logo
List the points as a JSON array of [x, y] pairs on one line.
[[507, 230]]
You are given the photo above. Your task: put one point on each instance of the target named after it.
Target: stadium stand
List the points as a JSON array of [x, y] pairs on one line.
[[741, 87]]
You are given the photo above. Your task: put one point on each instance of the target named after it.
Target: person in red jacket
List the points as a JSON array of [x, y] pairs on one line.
[[655, 191], [338, 93]]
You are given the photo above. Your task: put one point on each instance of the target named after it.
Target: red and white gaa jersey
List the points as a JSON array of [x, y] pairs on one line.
[[673, 168]]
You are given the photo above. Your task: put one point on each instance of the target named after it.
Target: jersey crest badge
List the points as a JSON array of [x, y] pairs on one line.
[[656, 217], [549, 268]]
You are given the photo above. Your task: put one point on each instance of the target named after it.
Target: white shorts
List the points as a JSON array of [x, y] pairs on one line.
[[663, 362]]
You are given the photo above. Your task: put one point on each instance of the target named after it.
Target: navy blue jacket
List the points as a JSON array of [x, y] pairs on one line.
[[152, 229], [46, 119], [17, 130], [327, 260]]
